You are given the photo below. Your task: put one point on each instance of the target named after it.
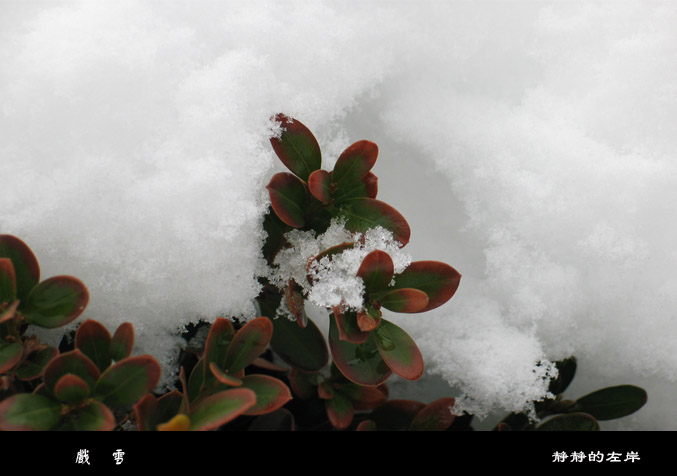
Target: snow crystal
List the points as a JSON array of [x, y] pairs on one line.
[[332, 281]]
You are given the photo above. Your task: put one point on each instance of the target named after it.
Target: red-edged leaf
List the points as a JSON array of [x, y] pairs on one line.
[[398, 350], [319, 185], [438, 280], [297, 147], [366, 425], [377, 270], [363, 398], [122, 342], [271, 393], [26, 411], [35, 365], [340, 411], [9, 312], [249, 343], [436, 416], [268, 365], [223, 377], [303, 385], [145, 410], [367, 321], [7, 281], [407, 300], [220, 336], [94, 340], [196, 380], [220, 408], [26, 268], [347, 327], [396, 415], [10, 355], [71, 389], [73, 362], [363, 214], [127, 381], [325, 391], [370, 182], [354, 163], [359, 363], [288, 196], [570, 422], [168, 405], [279, 420], [55, 302], [94, 416]]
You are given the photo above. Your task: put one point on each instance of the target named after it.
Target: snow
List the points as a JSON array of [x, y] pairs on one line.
[[529, 144]]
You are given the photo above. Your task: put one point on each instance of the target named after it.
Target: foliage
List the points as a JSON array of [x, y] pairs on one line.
[[271, 373], [583, 414]]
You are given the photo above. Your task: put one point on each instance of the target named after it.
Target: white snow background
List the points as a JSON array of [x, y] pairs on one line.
[[531, 145]]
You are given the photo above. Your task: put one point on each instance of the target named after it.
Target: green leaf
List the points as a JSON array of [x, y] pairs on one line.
[[145, 411], [612, 402], [71, 389], [514, 421], [302, 348], [438, 280], [359, 363], [271, 393], [396, 415], [25, 263], [275, 230], [363, 398], [319, 185], [35, 365], [73, 362], [7, 281], [297, 147], [94, 340], [223, 377], [55, 302], [354, 163], [196, 380], [27, 411], [435, 416], [340, 411], [95, 416], [398, 350], [127, 381], [566, 371], [363, 214], [9, 312], [406, 300], [122, 343], [289, 198], [220, 408], [168, 405], [303, 385], [366, 425], [220, 335], [10, 354], [570, 422], [279, 420], [249, 343], [377, 270]]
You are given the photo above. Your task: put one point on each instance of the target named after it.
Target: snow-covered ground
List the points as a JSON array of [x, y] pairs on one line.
[[531, 145]]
